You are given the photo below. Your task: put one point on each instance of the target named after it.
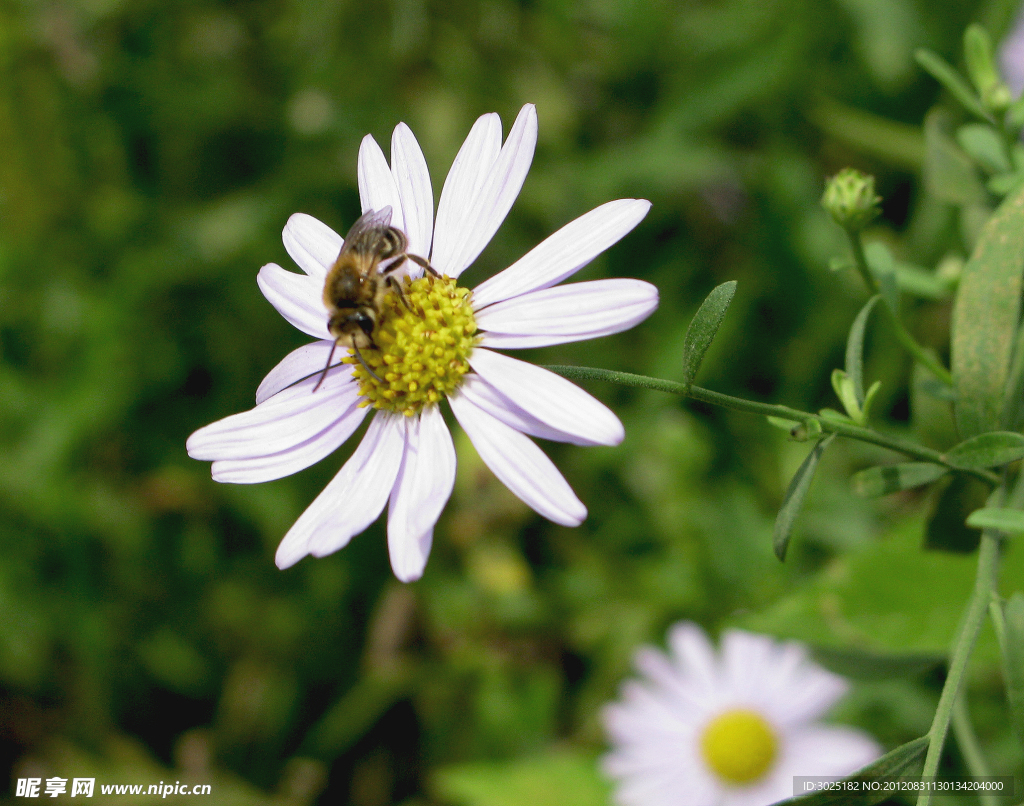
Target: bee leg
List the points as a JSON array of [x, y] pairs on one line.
[[397, 286], [362, 361], [422, 261], [323, 374]]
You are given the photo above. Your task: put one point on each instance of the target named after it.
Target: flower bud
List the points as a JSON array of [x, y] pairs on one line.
[[850, 199]]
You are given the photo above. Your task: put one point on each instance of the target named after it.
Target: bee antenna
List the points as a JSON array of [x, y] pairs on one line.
[[323, 374], [359, 355]]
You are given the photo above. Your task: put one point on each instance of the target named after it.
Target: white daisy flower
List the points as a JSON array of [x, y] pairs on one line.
[[728, 729], [439, 345]]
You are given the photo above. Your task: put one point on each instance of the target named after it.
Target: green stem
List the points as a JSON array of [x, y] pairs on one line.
[[967, 740], [920, 355], [984, 584], [768, 409]]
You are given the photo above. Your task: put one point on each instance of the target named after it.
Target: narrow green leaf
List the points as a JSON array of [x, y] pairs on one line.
[[884, 268], [855, 349], [957, 496], [862, 664], [554, 779], [984, 146], [704, 327], [949, 78], [1005, 184], [919, 282], [990, 449], [1010, 521], [1013, 398], [985, 318], [1012, 646], [1015, 114], [978, 56], [949, 173], [795, 494], [889, 767], [876, 481]]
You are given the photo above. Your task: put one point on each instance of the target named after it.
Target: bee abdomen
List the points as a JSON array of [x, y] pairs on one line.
[[393, 242]]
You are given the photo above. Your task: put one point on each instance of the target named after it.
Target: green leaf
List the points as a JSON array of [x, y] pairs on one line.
[[1005, 184], [704, 327], [1013, 397], [949, 78], [1010, 521], [795, 494], [1012, 648], [891, 141], [919, 282], [985, 146], [855, 349], [978, 56], [949, 173], [990, 449], [861, 664], [876, 481], [947, 530], [886, 596], [884, 268], [557, 779], [889, 767], [985, 319]]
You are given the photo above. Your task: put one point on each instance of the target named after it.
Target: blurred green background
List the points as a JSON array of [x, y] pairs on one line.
[[151, 154]]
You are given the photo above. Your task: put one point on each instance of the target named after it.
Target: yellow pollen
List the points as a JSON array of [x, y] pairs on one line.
[[423, 349], [739, 746]]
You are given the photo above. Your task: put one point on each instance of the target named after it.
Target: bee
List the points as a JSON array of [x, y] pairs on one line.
[[359, 280]]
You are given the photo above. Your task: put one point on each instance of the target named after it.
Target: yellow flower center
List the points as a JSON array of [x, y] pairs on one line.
[[739, 745], [422, 347]]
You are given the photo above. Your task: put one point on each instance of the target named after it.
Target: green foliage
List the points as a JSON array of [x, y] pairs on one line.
[[985, 319], [884, 598], [1010, 521], [152, 154], [1009, 621], [795, 495], [703, 328], [890, 767], [561, 779], [876, 481], [991, 449]]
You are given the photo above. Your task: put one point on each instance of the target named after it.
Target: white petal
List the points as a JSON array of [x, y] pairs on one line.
[[746, 658], [258, 469], [297, 297], [413, 180], [353, 499], [484, 214], [497, 405], [827, 750], [298, 364], [288, 419], [467, 176], [553, 400], [694, 657], [377, 188], [564, 253], [423, 487], [519, 464], [567, 313], [312, 244]]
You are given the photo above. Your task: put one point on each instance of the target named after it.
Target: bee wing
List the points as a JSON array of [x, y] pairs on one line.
[[372, 221]]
